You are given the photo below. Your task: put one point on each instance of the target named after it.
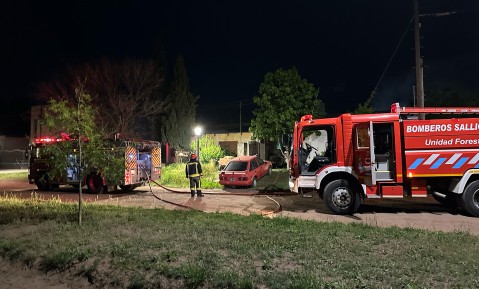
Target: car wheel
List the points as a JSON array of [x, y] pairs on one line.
[[94, 183], [470, 199], [253, 183], [341, 198]]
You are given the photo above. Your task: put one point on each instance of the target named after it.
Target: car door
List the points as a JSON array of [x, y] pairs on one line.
[[261, 167], [253, 169]]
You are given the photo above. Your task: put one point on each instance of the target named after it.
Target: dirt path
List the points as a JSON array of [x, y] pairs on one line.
[[423, 213]]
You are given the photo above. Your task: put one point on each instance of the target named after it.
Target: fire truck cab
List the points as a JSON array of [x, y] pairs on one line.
[[389, 155]]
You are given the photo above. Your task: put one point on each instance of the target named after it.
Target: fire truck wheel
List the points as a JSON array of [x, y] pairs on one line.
[[127, 188], [470, 199], [43, 183], [94, 184], [341, 198]]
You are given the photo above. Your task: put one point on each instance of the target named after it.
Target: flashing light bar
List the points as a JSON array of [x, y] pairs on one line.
[[46, 139]]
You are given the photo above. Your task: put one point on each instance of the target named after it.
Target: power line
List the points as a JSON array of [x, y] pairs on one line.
[[394, 54]]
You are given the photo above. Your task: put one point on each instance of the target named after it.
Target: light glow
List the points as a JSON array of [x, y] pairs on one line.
[[198, 130]]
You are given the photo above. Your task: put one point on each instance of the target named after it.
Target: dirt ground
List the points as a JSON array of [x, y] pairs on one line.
[[421, 213]]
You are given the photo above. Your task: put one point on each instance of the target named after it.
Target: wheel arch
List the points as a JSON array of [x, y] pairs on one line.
[[340, 175], [461, 184]]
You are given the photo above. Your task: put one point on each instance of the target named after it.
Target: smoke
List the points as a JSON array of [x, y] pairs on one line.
[[394, 89]]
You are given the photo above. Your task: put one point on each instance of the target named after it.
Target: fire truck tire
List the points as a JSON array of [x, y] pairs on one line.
[[94, 184], [341, 198], [470, 199], [43, 183], [127, 188]]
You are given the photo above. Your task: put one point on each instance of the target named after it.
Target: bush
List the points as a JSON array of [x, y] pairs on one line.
[[209, 150], [174, 176]]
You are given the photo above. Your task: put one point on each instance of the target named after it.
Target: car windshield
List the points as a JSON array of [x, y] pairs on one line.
[[236, 166]]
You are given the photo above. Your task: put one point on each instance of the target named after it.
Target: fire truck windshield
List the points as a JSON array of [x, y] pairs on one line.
[[315, 148]]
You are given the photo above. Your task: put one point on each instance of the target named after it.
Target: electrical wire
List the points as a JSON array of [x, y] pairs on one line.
[[394, 54]]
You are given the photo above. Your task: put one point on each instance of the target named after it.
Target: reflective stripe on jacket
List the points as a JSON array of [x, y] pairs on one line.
[[193, 169]]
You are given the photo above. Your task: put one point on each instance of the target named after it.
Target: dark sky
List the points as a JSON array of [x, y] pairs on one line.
[[342, 47]]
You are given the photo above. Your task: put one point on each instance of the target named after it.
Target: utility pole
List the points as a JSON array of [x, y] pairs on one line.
[[419, 91], [241, 133], [419, 62]]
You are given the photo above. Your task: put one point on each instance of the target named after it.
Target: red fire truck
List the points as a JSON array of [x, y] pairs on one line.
[[142, 159], [389, 155]]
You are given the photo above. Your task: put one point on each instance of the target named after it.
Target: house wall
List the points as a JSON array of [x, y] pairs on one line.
[[243, 144], [12, 152]]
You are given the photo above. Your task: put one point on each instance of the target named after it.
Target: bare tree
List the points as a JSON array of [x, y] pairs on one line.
[[127, 93]]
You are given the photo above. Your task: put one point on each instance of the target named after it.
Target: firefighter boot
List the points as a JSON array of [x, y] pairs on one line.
[[192, 194], [200, 194]]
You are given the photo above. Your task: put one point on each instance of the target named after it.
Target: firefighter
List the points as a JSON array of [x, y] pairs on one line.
[[194, 173]]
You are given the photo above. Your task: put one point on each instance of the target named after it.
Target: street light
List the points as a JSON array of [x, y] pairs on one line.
[[198, 131]]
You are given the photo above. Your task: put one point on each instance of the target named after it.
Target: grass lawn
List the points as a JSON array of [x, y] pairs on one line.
[[14, 176], [119, 247]]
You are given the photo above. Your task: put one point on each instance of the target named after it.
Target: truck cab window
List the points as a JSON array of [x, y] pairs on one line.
[[316, 148]]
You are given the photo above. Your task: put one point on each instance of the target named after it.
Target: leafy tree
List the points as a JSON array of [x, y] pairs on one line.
[[451, 94], [366, 106], [209, 150], [284, 96], [180, 112], [125, 92], [76, 121]]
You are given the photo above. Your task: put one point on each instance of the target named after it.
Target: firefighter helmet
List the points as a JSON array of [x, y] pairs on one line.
[[193, 156]]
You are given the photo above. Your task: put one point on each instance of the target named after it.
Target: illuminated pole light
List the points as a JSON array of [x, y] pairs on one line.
[[198, 131]]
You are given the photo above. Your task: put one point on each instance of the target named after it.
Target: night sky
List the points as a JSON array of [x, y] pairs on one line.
[[342, 47]]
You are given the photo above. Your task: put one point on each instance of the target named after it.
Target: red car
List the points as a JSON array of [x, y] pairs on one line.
[[244, 171]]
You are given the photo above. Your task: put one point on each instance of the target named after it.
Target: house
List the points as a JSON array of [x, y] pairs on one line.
[[243, 144], [12, 152]]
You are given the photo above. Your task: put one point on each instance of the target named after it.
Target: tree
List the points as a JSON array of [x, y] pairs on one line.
[[366, 106], [209, 150], [180, 113], [284, 96], [451, 94], [75, 121], [125, 92]]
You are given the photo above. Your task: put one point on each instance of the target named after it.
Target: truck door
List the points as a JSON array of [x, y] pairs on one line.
[[374, 158], [383, 152], [363, 153]]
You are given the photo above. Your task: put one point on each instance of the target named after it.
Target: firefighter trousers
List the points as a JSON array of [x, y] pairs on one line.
[[195, 186]]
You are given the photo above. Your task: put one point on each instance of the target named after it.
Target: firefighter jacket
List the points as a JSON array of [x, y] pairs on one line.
[[193, 169]]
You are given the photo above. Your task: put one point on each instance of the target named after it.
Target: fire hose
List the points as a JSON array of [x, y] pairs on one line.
[[261, 193]]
